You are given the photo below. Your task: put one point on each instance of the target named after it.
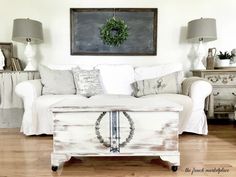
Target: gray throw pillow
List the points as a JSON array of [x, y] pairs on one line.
[[57, 82], [87, 82], [170, 83]]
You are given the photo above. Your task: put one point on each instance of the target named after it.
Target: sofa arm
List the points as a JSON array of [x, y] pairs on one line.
[[199, 90], [29, 90]]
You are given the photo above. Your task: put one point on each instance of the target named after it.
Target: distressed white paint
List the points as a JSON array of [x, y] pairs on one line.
[[224, 83], [123, 103], [171, 159], [74, 135]]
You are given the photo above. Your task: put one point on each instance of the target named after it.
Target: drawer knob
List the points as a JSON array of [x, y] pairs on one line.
[[234, 94], [225, 80], [231, 77], [217, 93]]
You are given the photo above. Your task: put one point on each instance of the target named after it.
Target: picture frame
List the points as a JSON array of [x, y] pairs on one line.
[[86, 23], [7, 49], [16, 64]]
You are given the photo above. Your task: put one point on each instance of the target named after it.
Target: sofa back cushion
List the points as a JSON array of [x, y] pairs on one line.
[[116, 79], [56, 82], [151, 72]]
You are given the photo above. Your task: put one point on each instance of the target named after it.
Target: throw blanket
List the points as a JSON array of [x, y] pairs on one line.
[[8, 82], [186, 85], [11, 106]]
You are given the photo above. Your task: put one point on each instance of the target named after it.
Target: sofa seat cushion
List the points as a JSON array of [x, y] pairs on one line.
[[43, 117], [119, 102]]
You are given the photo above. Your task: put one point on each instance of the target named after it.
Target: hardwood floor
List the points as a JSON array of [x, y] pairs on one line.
[[22, 156]]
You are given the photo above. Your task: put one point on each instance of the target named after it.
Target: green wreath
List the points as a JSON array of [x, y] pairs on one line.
[[114, 32]]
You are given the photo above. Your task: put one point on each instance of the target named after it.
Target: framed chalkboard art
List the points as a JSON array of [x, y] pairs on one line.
[[108, 31]]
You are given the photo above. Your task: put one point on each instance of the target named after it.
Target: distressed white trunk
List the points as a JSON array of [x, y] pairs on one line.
[[154, 135]]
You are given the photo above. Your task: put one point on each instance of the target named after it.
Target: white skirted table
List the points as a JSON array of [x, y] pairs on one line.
[[121, 127], [11, 106]]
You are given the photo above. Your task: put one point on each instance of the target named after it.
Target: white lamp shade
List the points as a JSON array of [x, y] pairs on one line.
[[204, 28], [24, 29]]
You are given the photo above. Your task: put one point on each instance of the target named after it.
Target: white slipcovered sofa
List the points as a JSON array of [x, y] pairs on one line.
[[116, 79]]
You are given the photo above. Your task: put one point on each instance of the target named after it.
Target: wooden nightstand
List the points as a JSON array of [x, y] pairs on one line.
[[224, 89]]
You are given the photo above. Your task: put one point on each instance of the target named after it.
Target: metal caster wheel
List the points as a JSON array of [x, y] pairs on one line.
[[54, 168], [174, 168]]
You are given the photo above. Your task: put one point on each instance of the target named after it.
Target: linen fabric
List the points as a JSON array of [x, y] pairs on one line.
[[11, 105], [170, 83], [56, 82], [8, 82], [87, 82]]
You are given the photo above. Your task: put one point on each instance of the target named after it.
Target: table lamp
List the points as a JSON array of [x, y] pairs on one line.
[[201, 30], [29, 32]]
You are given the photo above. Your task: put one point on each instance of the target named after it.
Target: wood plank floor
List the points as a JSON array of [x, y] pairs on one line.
[[22, 156]]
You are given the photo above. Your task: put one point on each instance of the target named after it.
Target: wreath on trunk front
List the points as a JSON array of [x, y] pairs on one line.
[[114, 32]]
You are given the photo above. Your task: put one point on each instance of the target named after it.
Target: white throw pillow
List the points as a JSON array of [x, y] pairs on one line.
[[116, 79], [87, 82], [56, 82], [151, 72]]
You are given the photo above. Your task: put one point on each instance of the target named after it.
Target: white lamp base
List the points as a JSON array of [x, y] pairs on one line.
[[29, 53], [198, 63], [30, 67]]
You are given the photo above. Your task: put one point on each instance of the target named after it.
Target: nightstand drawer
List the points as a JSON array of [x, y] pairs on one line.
[[224, 94], [224, 89], [223, 106], [224, 99], [221, 79]]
